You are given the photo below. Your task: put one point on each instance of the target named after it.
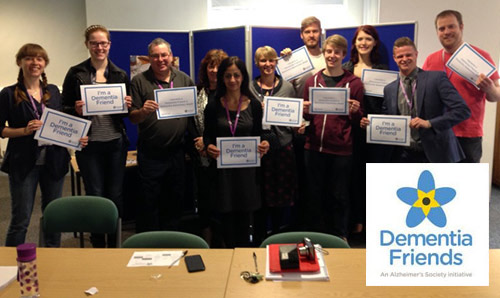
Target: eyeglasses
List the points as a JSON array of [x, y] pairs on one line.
[[158, 56], [96, 44]]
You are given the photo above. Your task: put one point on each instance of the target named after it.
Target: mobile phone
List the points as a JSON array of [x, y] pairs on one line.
[[194, 263]]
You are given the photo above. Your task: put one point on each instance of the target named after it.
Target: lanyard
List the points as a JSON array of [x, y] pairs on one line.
[[445, 69], [231, 126], [407, 98], [37, 115], [161, 87]]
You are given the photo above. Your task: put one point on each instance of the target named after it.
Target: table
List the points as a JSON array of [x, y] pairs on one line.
[[347, 269], [68, 272]]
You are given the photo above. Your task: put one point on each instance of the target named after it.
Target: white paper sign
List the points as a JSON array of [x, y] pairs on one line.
[[374, 80], [238, 152], [292, 66], [329, 101], [427, 224], [469, 64], [62, 129], [176, 102], [155, 258], [282, 111], [104, 99], [389, 130]]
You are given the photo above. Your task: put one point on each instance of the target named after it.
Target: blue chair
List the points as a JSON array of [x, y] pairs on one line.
[[164, 239]]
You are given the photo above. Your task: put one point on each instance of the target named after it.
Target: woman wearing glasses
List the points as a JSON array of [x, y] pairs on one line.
[[234, 113], [102, 162], [27, 162]]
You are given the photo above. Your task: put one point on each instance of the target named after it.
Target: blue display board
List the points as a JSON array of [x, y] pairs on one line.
[[127, 43], [231, 40], [277, 38], [387, 34]]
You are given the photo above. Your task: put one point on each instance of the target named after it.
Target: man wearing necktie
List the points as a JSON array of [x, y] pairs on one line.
[[433, 104]]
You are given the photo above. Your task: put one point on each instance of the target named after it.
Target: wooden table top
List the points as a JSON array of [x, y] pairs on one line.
[[68, 272], [347, 270]]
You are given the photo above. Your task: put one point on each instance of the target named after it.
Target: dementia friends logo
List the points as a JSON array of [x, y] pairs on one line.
[[427, 225], [426, 201]]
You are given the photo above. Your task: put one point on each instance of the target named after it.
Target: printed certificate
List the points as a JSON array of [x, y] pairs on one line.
[[104, 99], [62, 129], [176, 102], [375, 80], [389, 130], [238, 152], [469, 64], [283, 111], [329, 101], [292, 66]]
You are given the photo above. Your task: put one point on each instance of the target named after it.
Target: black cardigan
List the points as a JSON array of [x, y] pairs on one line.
[[80, 75], [22, 152]]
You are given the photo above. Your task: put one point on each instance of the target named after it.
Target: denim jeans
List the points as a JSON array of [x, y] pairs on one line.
[[23, 197], [163, 181], [102, 166]]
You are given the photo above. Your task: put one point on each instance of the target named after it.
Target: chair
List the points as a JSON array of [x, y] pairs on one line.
[[325, 240], [81, 214], [164, 239]]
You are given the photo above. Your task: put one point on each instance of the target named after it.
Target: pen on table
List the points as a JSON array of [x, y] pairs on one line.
[[255, 262], [184, 253]]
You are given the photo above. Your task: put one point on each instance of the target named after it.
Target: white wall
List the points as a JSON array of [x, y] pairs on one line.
[[481, 22], [148, 15], [56, 25]]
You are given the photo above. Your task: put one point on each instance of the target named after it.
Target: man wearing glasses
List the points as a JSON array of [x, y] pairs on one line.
[[159, 148]]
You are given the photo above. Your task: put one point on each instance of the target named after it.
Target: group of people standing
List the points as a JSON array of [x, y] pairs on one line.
[[318, 168]]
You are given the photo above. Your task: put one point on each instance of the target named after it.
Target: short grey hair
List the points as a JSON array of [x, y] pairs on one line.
[[156, 42]]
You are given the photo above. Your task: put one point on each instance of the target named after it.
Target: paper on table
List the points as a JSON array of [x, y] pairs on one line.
[[7, 275], [321, 275], [154, 258]]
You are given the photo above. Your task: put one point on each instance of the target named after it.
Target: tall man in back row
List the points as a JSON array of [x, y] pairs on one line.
[[160, 153], [310, 33], [449, 28]]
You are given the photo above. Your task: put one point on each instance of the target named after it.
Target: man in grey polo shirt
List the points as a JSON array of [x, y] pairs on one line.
[[160, 153]]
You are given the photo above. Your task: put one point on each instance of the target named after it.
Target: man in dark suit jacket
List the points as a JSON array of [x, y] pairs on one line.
[[434, 105]]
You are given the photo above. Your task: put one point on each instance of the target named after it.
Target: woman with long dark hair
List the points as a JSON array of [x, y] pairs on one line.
[[364, 55], [207, 85], [234, 113]]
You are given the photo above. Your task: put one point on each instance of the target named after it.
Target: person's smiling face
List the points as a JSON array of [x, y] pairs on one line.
[[98, 45]]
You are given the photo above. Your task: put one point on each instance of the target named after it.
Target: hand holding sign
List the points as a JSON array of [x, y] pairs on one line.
[[62, 129]]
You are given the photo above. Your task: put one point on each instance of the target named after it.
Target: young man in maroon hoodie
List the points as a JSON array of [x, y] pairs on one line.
[[328, 147]]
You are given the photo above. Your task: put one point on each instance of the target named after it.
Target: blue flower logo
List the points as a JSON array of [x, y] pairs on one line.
[[426, 201]]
